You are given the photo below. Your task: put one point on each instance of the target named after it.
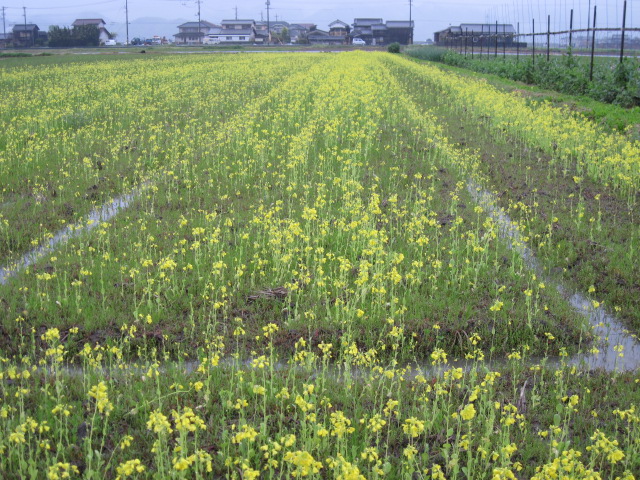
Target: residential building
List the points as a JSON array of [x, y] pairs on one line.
[[98, 22], [338, 28], [400, 31], [299, 31], [236, 32], [322, 37], [25, 35], [374, 31], [193, 33]]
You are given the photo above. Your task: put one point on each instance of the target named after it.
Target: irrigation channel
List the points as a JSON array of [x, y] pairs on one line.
[[95, 217], [617, 350]]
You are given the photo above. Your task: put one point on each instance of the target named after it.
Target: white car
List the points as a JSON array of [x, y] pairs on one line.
[[110, 43], [359, 41]]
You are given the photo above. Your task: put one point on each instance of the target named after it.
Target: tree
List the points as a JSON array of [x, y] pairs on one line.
[[80, 36], [87, 35], [282, 37]]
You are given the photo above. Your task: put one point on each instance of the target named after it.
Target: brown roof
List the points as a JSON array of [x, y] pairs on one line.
[[88, 21]]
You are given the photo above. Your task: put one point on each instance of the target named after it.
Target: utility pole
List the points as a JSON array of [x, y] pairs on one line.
[[410, 23], [126, 10], [24, 12], [268, 23], [4, 26], [199, 37]]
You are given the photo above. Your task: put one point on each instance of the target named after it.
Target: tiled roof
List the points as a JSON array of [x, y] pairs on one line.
[[22, 27], [88, 21], [399, 24]]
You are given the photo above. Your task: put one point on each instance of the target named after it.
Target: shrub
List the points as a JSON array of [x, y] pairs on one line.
[[394, 48]]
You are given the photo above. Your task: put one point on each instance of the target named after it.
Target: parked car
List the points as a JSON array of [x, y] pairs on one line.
[[110, 43], [359, 41]]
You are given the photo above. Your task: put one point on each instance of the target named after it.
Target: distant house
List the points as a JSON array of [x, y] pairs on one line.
[[338, 28], [235, 32], [193, 33], [25, 35], [321, 37], [299, 31], [477, 33], [374, 31], [98, 22], [400, 31]]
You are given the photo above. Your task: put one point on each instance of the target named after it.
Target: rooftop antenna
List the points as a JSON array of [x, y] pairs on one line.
[[236, 9]]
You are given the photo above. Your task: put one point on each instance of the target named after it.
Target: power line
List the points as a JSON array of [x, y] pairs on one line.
[[64, 6]]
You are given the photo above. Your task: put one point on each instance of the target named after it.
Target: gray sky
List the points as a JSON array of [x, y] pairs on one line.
[[161, 17]]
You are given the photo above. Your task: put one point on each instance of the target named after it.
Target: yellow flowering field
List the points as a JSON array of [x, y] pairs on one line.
[[297, 277]]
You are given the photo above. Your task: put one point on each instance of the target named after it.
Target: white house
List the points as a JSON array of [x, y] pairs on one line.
[[98, 22], [192, 33]]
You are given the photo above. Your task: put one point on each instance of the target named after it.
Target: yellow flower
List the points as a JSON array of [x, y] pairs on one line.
[[468, 412], [99, 393], [303, 461], [128, 468], [413, 427]]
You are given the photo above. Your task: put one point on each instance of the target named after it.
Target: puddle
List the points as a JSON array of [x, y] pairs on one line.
[[95, 217], [618, 349]]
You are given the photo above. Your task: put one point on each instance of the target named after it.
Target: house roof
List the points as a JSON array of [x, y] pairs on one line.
[[338, 22], [319, 33], [88, 21], [202, 23], [238, 22], [364, 22], [22, 27], [400, 24]]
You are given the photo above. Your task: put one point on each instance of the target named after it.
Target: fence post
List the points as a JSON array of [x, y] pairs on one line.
[[466, 38], [571, 29], [624, 24], [504, 44], [548, 36], [472, 46], [518, 44], [533, 36], [593, 42], [496, 54]]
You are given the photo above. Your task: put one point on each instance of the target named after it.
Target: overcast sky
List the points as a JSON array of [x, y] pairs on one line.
[[161, 17]]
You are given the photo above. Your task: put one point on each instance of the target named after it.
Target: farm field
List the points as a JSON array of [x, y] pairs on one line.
[[311, 265], [612, 82]]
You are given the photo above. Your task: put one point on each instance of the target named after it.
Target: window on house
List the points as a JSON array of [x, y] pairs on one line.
[[241, 38], [229, 38]]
